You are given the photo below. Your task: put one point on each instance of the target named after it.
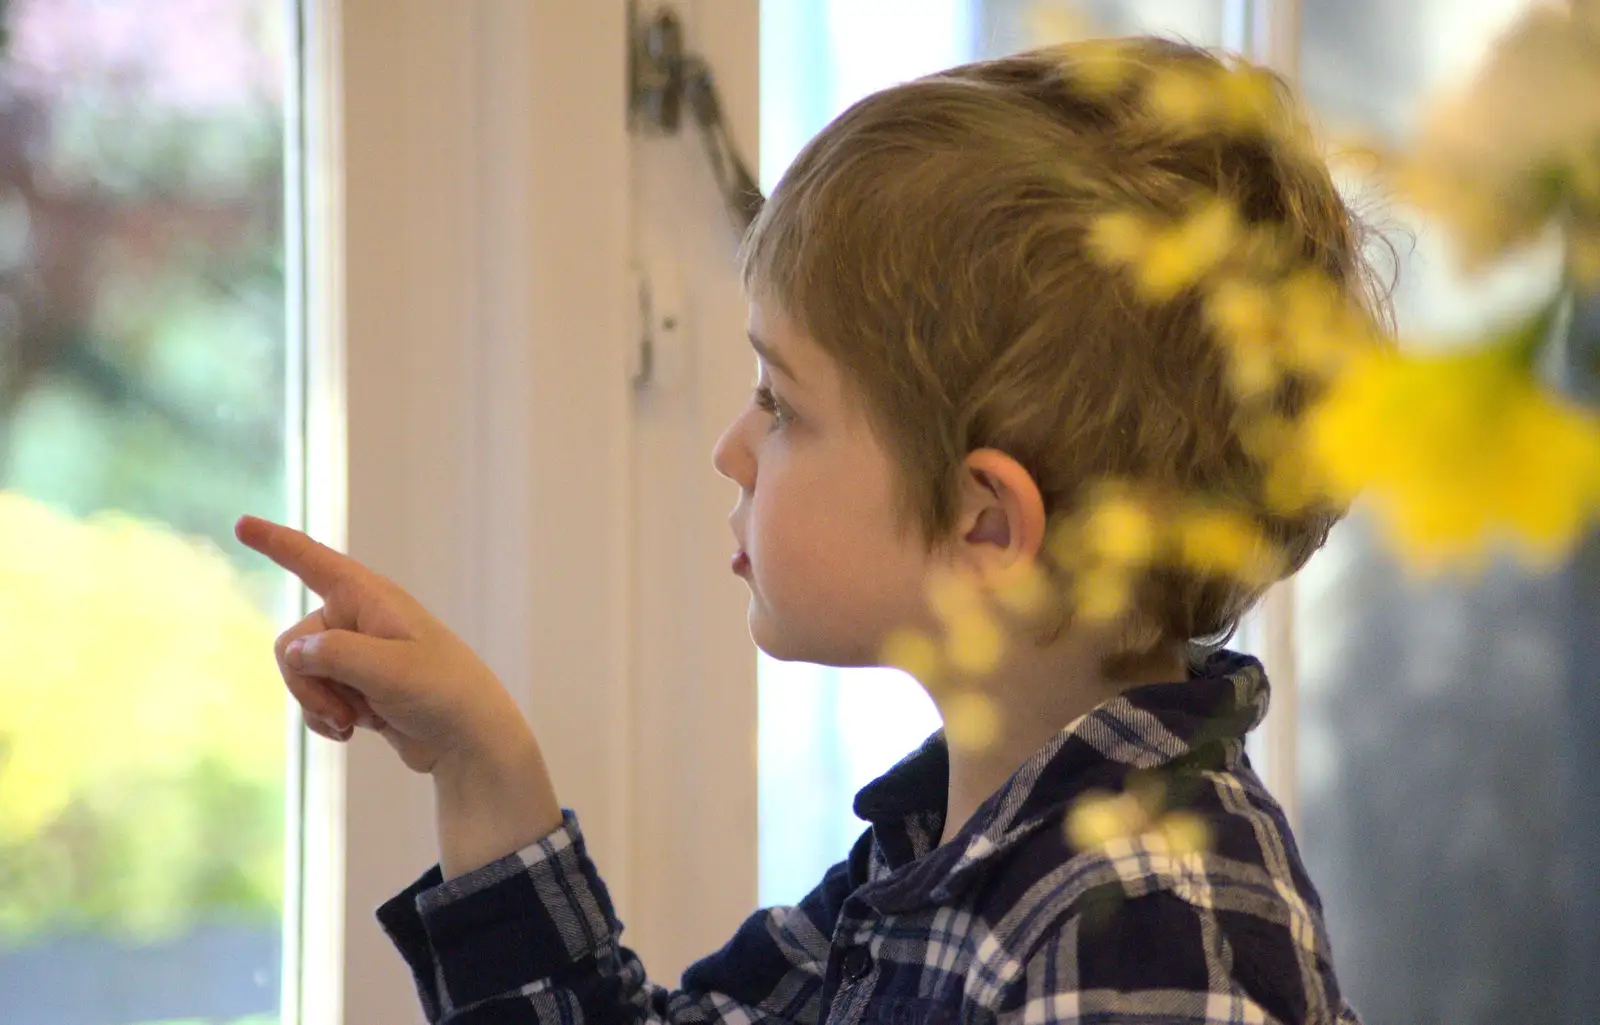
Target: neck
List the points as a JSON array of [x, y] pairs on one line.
[[1038, 693]]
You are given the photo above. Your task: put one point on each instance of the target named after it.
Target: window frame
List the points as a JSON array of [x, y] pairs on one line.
[[465, 178]]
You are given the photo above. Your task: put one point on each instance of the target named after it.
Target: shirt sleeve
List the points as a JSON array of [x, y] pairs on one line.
[[1158, 957], [533, 938]]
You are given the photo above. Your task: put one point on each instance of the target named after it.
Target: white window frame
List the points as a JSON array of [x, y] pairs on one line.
[[471, 432], [1268, 32]]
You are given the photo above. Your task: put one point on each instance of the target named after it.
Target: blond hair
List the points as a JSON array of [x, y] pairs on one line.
[[934, 239]]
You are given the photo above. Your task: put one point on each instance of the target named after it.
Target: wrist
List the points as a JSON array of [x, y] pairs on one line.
[[492, 802]]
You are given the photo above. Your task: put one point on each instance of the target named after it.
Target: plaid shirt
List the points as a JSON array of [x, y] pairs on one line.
[[1007, 924]]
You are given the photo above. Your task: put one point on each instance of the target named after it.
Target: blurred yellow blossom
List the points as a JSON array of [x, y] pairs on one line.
[[1322, 326], [1220, 540], [1240, 99], [1178, 258], [1099, 819], [1495, 159], [1050, 21], [1247, 101], [974, 642], [1243, 313], [1120, 238], [1184, 832], [1239, 308], [1182, 97], [914, 653], [1103, 66], [971, 721], [1121, 530], [1461, 449], [1023, 590], [1102, 594], [953, 594], [1253, 368]]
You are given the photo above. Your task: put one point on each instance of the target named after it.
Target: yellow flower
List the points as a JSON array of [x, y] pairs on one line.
[[1120, 238], [1246, 101], [1098, 819], [1485, 152], [1217, 540], [1241, 99], [1240, 309], [1182, 97], [952, 595], [1049, 22], [1024, 591], [1103, 594], [971, 721], [1243, 314], [1184, 832], [1179, 258], [1121, 530], [1460, 450], [1253, 371], [974, 642], [914, 653], [1102, 66], [1321, 324]]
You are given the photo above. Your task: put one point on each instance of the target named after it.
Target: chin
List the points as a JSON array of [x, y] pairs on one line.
[[789, 646]]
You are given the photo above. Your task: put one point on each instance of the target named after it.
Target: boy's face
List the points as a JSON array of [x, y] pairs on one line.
[[831, 566]]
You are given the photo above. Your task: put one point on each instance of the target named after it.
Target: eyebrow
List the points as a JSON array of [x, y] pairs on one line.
[[771, 358]]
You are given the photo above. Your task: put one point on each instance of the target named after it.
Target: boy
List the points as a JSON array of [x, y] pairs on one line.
[[945, 370]]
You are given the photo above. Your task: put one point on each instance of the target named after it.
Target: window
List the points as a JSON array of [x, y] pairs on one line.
[[1446, 752], [146, 347], [845, 727]]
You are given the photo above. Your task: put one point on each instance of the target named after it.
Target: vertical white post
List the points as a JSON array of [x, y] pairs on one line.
[[1268, 32]]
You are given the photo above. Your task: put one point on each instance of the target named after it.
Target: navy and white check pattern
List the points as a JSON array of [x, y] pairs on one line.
[[1006, 924]]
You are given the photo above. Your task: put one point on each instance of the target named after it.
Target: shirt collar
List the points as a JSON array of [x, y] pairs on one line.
[[1201, 720]]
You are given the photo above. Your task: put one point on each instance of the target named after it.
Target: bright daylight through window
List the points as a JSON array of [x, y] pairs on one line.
[[145, 347]]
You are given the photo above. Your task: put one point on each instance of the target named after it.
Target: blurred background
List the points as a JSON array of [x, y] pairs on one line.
[[145, 338], [150, 390]]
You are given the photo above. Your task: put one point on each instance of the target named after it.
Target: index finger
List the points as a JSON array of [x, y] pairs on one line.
[[318, 566]]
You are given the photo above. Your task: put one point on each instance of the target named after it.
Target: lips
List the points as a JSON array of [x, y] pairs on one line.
[[740, 563]]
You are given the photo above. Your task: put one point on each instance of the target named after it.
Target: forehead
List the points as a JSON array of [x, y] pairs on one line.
[[786, 347]]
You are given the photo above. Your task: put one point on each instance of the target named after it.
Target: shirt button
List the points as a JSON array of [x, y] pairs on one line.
[[857, 964]]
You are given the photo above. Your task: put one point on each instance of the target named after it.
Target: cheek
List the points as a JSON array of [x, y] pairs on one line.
[[826, 545], [788, 514]]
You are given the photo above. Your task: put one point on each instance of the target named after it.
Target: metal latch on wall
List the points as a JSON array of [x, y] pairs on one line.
[[664, 81]]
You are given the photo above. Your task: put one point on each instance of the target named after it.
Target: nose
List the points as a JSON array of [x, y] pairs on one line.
[[732, 455]]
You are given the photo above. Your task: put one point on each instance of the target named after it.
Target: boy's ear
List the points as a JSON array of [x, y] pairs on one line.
[[1002, 519]]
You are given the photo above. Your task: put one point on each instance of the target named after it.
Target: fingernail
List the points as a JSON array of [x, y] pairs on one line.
[[292, 654]]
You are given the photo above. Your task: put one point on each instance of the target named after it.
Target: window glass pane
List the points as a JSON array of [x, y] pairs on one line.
[[144, 393], [1446, 728], [824, 733]]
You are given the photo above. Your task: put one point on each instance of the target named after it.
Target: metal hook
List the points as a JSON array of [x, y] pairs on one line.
[[663, 77]]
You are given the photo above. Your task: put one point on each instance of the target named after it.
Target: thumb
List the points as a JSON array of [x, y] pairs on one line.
[[374, 667]]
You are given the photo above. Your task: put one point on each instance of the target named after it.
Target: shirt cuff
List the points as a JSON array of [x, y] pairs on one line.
[[504, 926]]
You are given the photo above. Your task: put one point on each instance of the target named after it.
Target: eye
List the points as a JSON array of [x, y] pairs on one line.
[[769, 403]]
